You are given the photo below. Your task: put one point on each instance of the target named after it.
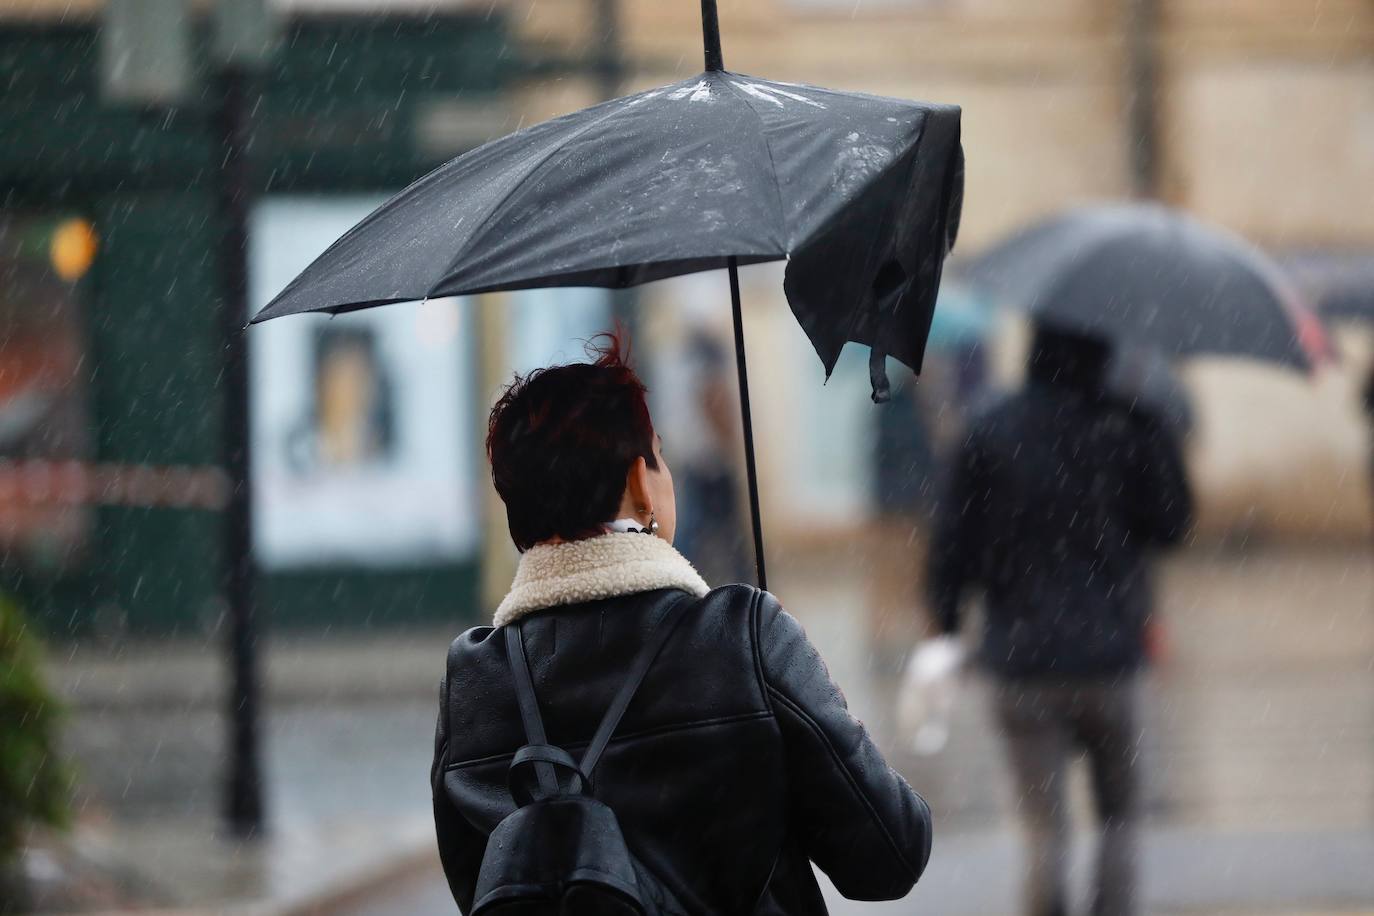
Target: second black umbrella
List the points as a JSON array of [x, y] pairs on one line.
[[1143, 275]]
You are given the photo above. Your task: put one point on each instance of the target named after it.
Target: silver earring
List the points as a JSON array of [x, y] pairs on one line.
[[653, 525]]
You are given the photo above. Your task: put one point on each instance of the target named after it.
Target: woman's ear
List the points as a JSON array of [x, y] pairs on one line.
[[637, 487]]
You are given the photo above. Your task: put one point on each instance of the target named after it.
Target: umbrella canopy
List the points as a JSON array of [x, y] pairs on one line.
[[1144, 275], [861, 192]]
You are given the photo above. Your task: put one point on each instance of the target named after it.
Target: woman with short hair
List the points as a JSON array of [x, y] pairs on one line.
[[736, 764]]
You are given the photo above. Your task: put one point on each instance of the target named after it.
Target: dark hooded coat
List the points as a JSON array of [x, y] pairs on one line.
[[1053, 505]]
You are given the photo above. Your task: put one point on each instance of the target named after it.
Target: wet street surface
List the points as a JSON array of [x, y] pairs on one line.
[[1257, 753], [1259, 715]]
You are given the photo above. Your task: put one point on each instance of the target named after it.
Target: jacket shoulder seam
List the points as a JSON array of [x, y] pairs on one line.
[[849, 777]]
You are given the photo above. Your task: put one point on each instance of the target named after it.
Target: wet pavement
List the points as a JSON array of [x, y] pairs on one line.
[[977, 873], [1258, 752]]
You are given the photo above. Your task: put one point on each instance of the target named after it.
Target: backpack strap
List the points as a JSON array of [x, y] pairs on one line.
[[658, 637], [541, 755], [529, 703]]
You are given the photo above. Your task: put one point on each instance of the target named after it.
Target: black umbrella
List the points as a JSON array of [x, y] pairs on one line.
[[1144, 275], [860, 193]]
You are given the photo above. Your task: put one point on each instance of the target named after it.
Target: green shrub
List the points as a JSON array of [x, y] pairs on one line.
[[34, 784]]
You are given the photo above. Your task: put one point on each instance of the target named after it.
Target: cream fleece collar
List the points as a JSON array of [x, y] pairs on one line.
[[605, 566]]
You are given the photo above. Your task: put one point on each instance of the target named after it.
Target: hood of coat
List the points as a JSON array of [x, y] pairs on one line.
[[606, 566]]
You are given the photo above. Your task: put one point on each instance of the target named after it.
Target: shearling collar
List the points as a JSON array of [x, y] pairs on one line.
[[605, 566]]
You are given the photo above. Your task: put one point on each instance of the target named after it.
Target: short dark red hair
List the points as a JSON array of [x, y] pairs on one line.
[[561, 441]]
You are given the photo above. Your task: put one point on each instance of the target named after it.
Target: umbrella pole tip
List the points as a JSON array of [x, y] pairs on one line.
[[710, 36]]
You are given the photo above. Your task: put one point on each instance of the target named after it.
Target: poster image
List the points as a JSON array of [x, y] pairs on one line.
[[364, 443]]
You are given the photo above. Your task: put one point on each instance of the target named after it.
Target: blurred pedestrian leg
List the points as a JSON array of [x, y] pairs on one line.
[[1038, 747], [1109, 729], [1046, 723]]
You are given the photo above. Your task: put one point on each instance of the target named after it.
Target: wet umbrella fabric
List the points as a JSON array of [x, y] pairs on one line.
[[861, 193], [1143, 275]]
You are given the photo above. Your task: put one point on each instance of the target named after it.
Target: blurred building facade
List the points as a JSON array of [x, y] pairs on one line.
[[1255, 114], [128, 343]]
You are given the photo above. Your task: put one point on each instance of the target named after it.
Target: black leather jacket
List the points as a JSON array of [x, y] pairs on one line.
[[736, 765]]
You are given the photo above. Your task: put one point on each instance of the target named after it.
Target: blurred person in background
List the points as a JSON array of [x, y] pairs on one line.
[[711, 531], [737, 764], [903, 491], [909, 431], [1055, 502]]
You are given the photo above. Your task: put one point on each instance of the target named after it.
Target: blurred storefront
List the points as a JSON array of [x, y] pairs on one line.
[[44, 401], [110, 399]]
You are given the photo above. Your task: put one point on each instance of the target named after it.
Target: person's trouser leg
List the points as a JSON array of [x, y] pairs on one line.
[[1108, 726], [1038, 746]]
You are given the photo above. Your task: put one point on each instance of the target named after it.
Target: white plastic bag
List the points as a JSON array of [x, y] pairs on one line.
[[925, 700]]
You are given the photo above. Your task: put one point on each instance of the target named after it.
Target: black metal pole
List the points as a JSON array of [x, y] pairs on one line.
[[710, 35], [610, 61], [746, 419], [1142, 116], [243, 807]]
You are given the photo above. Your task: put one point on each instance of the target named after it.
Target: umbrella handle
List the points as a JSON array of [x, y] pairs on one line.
[[710, 36], [746, 419]]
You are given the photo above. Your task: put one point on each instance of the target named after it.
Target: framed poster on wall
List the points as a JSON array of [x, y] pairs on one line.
[[363, 436]]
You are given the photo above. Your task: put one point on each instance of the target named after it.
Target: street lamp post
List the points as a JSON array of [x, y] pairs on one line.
[[243, 44], [243, 804]]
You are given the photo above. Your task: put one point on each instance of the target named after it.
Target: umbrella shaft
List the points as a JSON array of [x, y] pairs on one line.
[[710, 36], [747, 421]]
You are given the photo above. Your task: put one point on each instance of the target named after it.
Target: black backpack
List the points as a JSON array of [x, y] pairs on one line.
[[562, 851]]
